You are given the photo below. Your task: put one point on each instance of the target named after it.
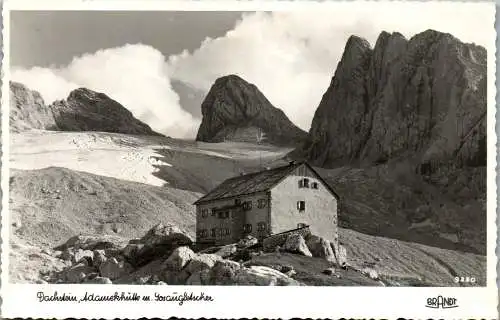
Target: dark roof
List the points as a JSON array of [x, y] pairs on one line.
[[255, 182]]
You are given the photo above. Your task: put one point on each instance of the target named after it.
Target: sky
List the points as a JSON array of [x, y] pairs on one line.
[[160, 65]]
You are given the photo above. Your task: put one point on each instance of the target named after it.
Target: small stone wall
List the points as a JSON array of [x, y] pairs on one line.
[[270, 243]]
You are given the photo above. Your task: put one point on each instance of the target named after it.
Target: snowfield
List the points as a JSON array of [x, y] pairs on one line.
[[98, 153], [120, 156]]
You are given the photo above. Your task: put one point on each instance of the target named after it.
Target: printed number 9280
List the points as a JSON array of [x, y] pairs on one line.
[[465, 280]]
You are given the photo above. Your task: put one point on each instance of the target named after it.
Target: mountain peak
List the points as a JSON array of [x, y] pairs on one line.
[[377, 95], [87, 95], [88, 110], [236, 110]]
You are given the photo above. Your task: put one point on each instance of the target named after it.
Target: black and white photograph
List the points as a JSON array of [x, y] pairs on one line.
[[343, 147]]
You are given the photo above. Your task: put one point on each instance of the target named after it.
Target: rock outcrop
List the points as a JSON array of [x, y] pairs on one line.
[[87, 110], [236, 110], [28, 110], [422, 98], [83, 110]]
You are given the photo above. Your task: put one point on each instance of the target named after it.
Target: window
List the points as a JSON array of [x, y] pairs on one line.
[[213, 232], [228, 232], [223, 214], [301, 225], [204, 213], [237, 202], [247, 205], [247, 228], [261, 226], [202, 233], [213, 211], [304, 183], [301, 205], [262, 203], [314, 185]]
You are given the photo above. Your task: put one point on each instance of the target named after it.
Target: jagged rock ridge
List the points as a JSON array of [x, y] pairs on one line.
[[83, 110], [404, 124], [87, 110], [236, 110], [422, 98], [28, 110]]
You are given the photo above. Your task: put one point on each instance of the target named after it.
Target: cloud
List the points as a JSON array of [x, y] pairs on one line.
[[134, 75], [292, 55]]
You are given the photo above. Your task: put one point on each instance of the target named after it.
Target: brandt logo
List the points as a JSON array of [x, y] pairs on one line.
[[441, 302]]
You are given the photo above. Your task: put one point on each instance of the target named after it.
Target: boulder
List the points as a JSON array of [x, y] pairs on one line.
[[263, 276], [227, 251], [160, 242], [99, 280], [92, 275], [288, 270], [80, 255], [199, 278], [56, 253], [320, 247], [223, 272], [77, 273], [202, 262], [99, 257], [142, 280], [174, 277], [166, 234], [114, 269], [67, 255], [131, 250], [247, 241], [296, 244], [179, 258], [92, 242]]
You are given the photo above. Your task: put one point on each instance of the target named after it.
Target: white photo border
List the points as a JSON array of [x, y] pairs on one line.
[[20, 300]]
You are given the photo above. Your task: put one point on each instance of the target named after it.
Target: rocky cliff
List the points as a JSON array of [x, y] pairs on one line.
[[236, 110], [422, 98], [404, 123], [28, 110], [87, 110]]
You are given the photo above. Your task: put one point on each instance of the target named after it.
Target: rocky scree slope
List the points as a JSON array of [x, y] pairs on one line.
[[409, 114], [236, 110], [83, 110], [53, 204]]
